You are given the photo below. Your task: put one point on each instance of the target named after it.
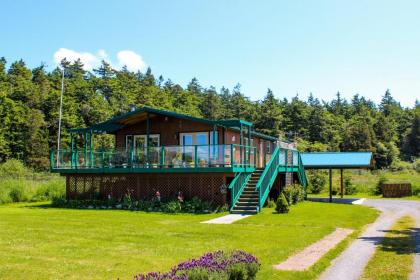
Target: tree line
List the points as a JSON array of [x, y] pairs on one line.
[[29, 108]]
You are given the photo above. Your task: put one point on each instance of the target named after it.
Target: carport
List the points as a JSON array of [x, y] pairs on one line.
[[337, 160]]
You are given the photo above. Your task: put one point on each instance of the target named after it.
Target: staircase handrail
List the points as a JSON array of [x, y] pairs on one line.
[[267, 177], [237, 186]]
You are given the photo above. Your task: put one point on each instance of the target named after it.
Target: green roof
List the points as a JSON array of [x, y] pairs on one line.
[[112, 125], [336, 160]]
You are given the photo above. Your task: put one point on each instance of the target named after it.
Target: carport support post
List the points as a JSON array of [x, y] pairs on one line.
[[341, 183], [330, 171]]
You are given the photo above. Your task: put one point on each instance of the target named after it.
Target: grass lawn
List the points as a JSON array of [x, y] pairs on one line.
[[365, 181], [397, 247], [49, 243]]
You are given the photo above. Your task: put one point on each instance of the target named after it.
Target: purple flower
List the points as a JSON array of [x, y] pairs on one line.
[[212, 262]]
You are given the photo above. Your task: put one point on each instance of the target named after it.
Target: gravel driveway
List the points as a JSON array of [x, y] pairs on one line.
[[351, 263]]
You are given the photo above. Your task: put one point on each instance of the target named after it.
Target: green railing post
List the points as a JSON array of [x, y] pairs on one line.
[[162, 156], [52, 160], [195, 156], [103, 160]]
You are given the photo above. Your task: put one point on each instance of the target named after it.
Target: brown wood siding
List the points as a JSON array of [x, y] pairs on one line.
[[168, 128]]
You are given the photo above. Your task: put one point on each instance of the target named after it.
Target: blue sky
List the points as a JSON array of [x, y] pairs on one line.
[[291, 47]]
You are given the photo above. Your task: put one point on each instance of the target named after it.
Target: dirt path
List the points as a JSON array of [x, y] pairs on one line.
[[416, 268], [310, 255], [351, 263]]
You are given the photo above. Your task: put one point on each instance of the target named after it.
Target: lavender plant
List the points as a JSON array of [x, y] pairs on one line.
[[237, 265]]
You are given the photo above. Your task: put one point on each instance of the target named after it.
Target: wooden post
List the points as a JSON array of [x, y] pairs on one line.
[[330, 171], [341, 183]]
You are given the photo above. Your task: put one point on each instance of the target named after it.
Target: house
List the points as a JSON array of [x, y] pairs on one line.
[[222, 161]]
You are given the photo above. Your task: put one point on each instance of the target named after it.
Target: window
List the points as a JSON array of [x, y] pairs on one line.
[[139, 141], [267, 147], [246, 143], [194, 138]]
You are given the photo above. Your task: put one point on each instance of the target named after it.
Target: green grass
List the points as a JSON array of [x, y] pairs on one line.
[[365, 181], [397, 247], [49, 243]]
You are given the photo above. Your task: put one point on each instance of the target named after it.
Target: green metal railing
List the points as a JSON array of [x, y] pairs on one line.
[[279, 158], [268, 176], [237, 186], [194, 156]]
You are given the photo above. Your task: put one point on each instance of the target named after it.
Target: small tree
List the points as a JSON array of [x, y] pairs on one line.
[[378, 188], [282, 206], [349, 187], [317, 181]]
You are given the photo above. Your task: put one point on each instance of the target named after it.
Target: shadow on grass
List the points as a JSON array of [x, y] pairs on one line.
[[402, 242]]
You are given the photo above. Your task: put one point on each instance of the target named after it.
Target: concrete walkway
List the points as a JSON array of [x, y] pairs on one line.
[[228, 219], [351, 263]]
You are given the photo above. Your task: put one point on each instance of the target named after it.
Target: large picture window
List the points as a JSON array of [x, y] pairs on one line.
[[139, 141]]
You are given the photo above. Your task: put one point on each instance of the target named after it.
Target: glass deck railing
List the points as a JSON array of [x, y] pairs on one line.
[[197, 156]]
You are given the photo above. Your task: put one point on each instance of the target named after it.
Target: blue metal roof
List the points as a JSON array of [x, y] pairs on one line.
[[336, 160]]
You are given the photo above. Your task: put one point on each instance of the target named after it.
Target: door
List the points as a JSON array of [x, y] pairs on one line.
[[140, 146], [199, 139]]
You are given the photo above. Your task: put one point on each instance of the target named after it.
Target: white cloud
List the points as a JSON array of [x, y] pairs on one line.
[[131, 59], [89, 60]]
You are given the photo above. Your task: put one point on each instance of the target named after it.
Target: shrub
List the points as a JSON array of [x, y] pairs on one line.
[[317, 181], [17, 193], [237, 272], [271, 203], [13, 168], [288, 192], [282, 206], [298, 193], [198, 274], [211, 266], [349, 187], [378, 188], [172, 207], [294, 193]]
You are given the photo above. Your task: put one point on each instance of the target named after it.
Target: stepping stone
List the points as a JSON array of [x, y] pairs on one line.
[[228, 219]]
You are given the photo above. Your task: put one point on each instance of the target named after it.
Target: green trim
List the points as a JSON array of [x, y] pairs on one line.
[[152, 170]]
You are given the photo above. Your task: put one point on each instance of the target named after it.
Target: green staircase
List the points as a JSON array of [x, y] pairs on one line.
[[250, 190]]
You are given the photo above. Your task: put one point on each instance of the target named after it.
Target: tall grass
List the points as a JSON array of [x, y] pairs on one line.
[[20, 184]]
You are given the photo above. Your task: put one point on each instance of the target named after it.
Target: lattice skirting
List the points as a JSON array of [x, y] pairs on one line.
[[210, 187]]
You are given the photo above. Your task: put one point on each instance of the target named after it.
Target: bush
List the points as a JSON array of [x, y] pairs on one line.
[[13, 168], [237, 265], [349, 187], [378, 188], [317, 181], [288, 192], [282, 206], [270, 203], [172, 207], [298, 194], [198, 274], [294, 193]]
